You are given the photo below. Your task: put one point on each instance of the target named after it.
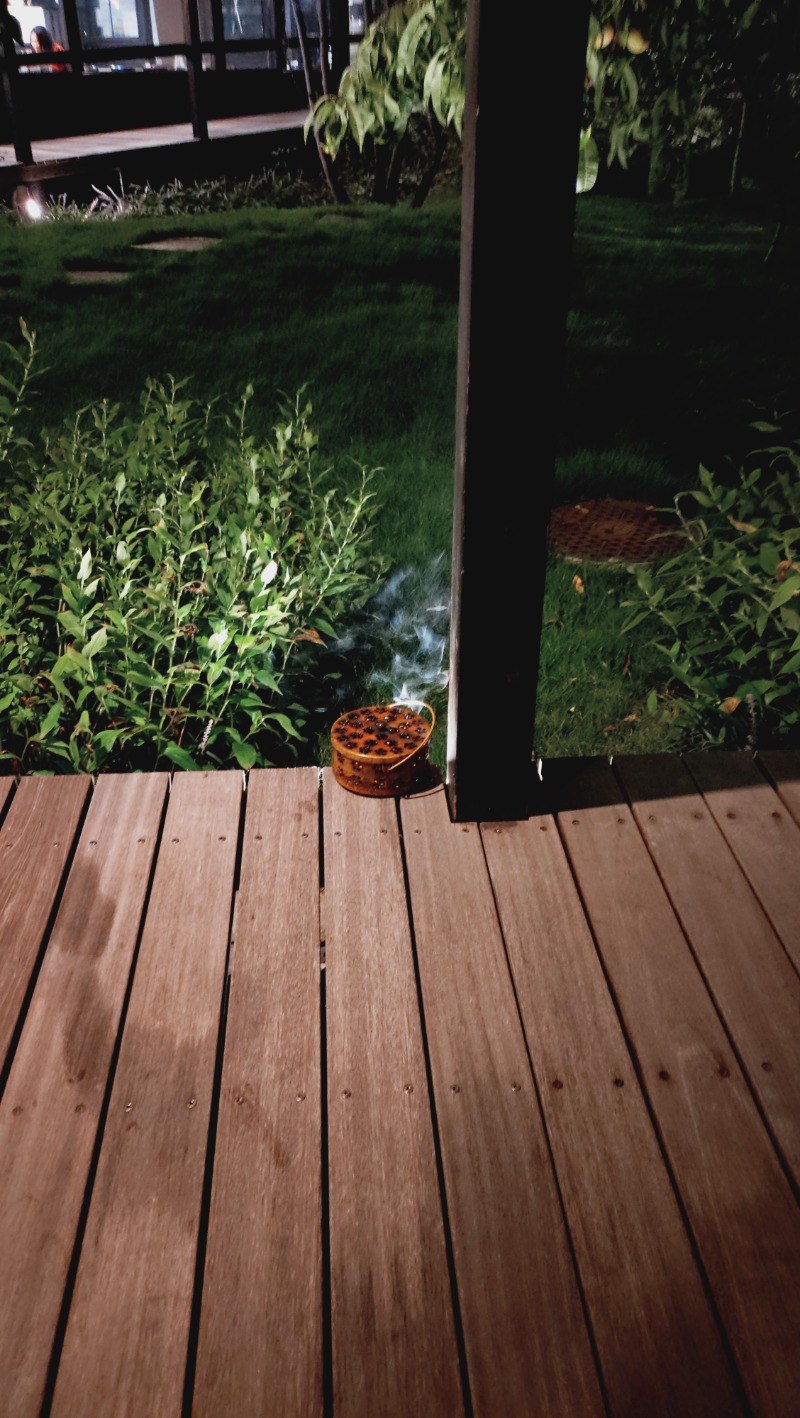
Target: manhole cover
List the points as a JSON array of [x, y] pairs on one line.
[[179, 243], [608, 530], [99, 278]]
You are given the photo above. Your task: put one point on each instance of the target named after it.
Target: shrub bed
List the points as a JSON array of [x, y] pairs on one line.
[[167, 582], [728, 605]]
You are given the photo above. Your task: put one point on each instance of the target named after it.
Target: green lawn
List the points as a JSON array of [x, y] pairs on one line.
[[678, 334]]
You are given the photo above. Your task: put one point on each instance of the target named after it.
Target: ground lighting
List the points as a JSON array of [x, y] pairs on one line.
[[28, 204]]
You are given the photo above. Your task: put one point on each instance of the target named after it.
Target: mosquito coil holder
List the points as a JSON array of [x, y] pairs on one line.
[[381, 750]]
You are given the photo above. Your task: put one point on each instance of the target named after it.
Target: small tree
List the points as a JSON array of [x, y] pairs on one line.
[[407, 78], [677, 76]]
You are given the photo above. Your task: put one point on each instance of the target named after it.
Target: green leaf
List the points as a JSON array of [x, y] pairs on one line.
[[791, 665], [70, 597], [768, 557], [285, 723], [785, 592], [71, 622], [51, 719], [85, 569], [98, 642], [106, 739], [181, 757], [244, 753], [588, 162]]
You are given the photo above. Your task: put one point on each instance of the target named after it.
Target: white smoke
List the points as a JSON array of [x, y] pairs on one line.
[[403, 633]]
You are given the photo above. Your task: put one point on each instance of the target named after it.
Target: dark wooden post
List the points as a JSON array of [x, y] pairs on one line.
[[521, 132], [195, 63]]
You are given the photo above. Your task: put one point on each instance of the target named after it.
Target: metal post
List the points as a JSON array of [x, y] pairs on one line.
[[218, 33], [340, 39], [74, 37], [520, 162], [195, 61]]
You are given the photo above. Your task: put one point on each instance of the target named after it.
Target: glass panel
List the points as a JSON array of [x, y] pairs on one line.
[[240, 20], [247, 19], [112, 22], [308, 10], [358, 24]]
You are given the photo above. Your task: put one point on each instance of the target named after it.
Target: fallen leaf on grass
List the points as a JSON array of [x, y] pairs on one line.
[[578, 584], [729, 706]]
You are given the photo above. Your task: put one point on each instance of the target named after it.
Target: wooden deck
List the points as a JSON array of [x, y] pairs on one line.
[[317, 1104], [156, 155], [92, 145]]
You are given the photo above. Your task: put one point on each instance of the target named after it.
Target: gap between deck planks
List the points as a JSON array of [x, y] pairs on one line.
[[497, 1204]]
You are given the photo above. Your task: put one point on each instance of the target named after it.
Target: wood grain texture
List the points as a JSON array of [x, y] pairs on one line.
[[760, 831], [51, 1107], [658, 1343], [261, 1324], [6, 788], [125, 1345], [743, 1215], [782, 767], [749, 974], [527, 1345], [393, 1332], [35, 843]]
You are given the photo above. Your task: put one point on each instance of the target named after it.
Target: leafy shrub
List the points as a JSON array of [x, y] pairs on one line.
[[730, 601], [406, 83], [166, 583], [277, 187]]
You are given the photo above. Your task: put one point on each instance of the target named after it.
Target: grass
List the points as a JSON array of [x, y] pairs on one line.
[[360, 307], [678, 333]]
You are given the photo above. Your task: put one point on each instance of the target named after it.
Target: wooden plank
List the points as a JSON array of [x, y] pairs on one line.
[[526, 1341], [760, 831], [126, 1339], [620, 1206], [743, 1215], [52, 1104], [783, 767], [260, 1344], [393, 1331], [35, 843], [752, 980]]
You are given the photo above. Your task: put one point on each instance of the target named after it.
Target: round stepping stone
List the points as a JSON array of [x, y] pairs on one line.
[[91, 278], [179, 243]]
